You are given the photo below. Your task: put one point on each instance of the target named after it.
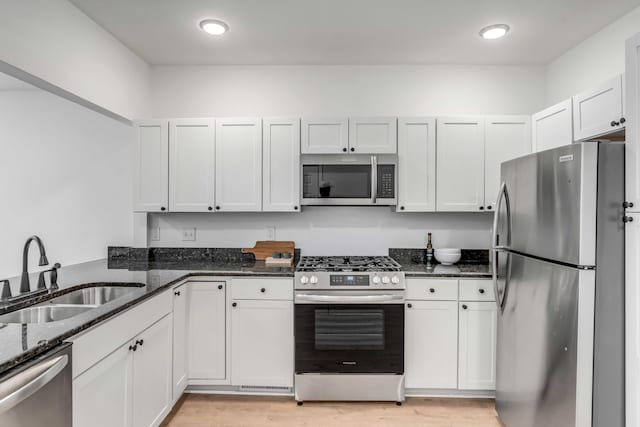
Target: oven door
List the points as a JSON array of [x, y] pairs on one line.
[[349, 338]]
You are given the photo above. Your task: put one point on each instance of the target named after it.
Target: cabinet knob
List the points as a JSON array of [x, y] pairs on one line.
[[353, 149], [263, 290], [217, 208], [481, 208], [163, 208], [177, 293], [409, 305], [622, 120], [626, 219], [481, 290], [627, 205], [133, 347], [235, 304], [219, 286], [295, 208], [464, 306], [210, 208], [139, 342], [433, 291], [344, 150], [614, 123], [489, 207], [401, 208]]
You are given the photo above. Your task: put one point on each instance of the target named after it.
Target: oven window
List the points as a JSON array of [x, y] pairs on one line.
[[337, 329], [336, 181]]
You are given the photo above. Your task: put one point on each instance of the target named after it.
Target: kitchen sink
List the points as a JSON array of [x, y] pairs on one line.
[[94, 296], [44, 314]]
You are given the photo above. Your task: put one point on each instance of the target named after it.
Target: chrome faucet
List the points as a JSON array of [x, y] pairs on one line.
[[25, 286]]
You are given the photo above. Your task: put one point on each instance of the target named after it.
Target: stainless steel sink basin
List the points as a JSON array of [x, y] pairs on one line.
[[92, 296], [44, 314]]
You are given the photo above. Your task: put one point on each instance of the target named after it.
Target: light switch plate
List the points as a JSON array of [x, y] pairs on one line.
[[271, 232], [188, 234], [155, 234]]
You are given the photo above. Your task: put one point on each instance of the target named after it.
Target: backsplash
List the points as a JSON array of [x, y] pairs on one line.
[[418, 256]]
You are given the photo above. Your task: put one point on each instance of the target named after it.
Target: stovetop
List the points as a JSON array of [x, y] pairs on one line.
[[347, 264]]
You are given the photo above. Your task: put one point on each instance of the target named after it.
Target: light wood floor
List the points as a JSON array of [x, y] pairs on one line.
[[202, 410]]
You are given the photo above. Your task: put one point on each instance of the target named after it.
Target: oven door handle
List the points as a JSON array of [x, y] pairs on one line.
[[348, 299]]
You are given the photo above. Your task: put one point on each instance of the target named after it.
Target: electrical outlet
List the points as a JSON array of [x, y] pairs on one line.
[[188, 234], [271, 232], [155, 234]]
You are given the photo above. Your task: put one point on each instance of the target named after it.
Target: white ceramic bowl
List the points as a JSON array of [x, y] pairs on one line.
[[447, 258], [449, 250]]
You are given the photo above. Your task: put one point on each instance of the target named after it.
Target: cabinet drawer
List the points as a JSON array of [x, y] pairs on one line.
[[262, 288], [432, 289], [95, 344], [476, 290]]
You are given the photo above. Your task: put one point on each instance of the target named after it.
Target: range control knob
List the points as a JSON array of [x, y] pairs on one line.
[[375, 280], [386, 280], [304, 280], [395, 280], [314, 279]]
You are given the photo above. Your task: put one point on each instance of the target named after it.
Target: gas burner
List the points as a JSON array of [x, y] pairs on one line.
[[347, 264], [349, 273]]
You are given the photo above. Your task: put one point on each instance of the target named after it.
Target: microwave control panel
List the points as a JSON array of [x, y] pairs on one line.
[[386, 182]]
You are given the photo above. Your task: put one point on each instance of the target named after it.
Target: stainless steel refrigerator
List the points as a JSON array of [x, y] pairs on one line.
[[558, 261]]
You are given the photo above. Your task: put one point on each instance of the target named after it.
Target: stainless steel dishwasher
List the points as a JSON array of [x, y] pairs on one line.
[[38, 393]]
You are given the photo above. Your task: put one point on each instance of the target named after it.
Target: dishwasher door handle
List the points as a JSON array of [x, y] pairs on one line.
[[22, 385]]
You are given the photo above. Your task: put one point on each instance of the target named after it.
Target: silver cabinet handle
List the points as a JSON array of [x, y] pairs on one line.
[[374, 179], [24, 384]]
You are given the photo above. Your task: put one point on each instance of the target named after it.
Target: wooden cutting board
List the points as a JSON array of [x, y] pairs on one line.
[[265, 248]]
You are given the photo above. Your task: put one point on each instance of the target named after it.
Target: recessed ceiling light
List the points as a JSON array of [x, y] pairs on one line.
[[213, 26], [494, 31]]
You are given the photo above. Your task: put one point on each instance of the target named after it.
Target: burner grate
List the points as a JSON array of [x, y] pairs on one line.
[[347, 263]]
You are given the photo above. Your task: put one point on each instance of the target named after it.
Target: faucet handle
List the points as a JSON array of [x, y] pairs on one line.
[[53, 278], [6, 290]]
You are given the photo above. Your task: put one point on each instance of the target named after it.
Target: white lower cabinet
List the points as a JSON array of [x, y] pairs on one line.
[[129, 387], [262, 343], [180, 374], [477, 345], [431, 336], [206, 327]]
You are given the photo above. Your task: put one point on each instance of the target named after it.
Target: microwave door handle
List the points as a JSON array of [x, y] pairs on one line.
[[374, 179]]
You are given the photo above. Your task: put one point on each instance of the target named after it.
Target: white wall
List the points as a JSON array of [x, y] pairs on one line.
[[329, 230], [200, 91], [593, 61], [65, 175], [54, 41]]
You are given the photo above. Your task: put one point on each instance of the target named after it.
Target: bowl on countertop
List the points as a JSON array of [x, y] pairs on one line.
[[447, 256]]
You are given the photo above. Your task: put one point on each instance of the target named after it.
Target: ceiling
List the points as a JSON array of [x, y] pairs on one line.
[[352, 31]]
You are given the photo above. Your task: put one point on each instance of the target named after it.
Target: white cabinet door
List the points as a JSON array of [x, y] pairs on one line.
[[552, 127], [373, 135], [152, 374], [506, 137], [151, 166], [431, 347], [460, 160], [632, 314], [281, 165], [598, 110], [191, 165], [239, 165], [102, 394], [206, 327], [477, 346], [329, 135], [416, 164], [180, 301], [262, 343], [632, 142]]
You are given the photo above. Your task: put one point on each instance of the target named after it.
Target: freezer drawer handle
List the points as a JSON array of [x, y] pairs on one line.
[[21, 386]]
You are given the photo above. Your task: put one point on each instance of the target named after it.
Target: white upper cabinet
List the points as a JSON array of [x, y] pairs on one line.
[[151, 163], [329, 135], [598, 111], [373, 135], [416, 164], [239, 164], [281, 165], [477, 345], [552, 127], [206, 326], [506, 138], [460, 159], [192, 165]]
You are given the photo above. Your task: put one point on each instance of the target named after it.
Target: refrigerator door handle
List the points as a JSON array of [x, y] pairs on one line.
[[502, 195]]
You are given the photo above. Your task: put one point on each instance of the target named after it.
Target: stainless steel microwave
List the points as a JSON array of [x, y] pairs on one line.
[[351, 180]]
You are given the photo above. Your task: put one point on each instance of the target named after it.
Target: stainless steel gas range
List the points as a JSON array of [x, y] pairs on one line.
[[349, 329]]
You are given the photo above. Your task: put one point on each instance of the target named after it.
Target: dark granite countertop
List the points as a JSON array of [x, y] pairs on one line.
[[21, 342], [466, 271]]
